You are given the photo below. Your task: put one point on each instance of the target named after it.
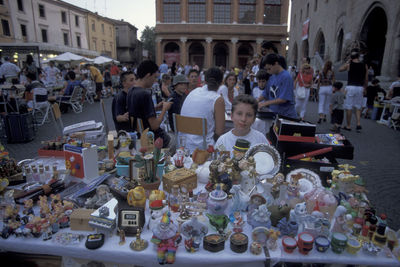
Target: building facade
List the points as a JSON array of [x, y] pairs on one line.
[[7, 35], [218, 32], [101, 35], [129, 49], [328, 30]]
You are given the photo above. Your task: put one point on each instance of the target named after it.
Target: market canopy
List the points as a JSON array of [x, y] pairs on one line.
[[100, 60], [68, 57]]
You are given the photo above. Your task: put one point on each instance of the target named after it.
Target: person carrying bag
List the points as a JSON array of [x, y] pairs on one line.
[[303, 84]]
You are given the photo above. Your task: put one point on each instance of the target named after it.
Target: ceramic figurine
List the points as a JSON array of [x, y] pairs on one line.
[[157, 210], [339, 224], [44, 207], [11, 213], [287, 228], [255, 201], [237, 222], [28, 207], [46, 230], [240, 199], [139, 244], [193, 231], [55, 200], [102, 196], [137, 197], [125, 148], [278, 212], [249, 176], [54, 223], [167, 238], [121, 237], [239, 150], [273, 237], [179, 157], [260, 217], [217, 201], [156, 195], [293, 187], [298, 214], [256, 248]]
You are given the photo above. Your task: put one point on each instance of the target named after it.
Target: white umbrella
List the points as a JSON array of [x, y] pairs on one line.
[[67, 56], [100, 60]]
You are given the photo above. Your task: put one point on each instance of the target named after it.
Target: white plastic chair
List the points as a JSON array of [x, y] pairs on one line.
[[75, 99], [40, 105], [90, 92]]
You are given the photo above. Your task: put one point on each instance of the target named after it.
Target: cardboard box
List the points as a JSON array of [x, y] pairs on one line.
[[80, 220], [294, 128], [181, 176]]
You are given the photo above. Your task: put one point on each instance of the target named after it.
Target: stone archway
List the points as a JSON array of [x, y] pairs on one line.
[[220, 55], [339, 45], [171, 53], [245, 54], [373, 34], [319, 46], [196, 54], [305, 48]]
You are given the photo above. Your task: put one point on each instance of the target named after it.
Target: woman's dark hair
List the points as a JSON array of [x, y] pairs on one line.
[[71, 75], [338, 85], [29, 59], [245, 99], [213, 78], [146, 67], [271, 59], [327, 67], [230, 74]]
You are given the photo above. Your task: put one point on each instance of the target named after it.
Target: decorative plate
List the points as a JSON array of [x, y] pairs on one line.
[[268, 160], [309, 181]]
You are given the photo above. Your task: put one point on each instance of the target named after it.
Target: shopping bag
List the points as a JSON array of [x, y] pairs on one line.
[[301, 92]]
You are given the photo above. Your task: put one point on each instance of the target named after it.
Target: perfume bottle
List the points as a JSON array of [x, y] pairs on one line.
[[28, 174], [42, 176], [35, 174], [47, 172]]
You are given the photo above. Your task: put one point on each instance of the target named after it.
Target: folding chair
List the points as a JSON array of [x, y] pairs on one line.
[[394, 120], [40, 105], [56, 114], [90, 92], [74, 100], [190, 125]]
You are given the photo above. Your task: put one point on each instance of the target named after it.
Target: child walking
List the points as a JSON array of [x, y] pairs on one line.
[[336, 107]]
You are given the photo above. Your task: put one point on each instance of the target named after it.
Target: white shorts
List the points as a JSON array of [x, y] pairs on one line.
[[354, 97]]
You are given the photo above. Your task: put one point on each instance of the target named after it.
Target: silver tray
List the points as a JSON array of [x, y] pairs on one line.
[[266, 164]]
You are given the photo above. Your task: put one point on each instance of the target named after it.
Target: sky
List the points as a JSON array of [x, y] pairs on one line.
[[139, 13]]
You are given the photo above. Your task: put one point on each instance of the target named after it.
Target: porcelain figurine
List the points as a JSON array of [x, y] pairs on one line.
[[255, 248], [167, 239], [278, 212], [287, 228], [55, 200], [298, 214], [273, 237], [46, 230], [156, 195], [157, 210], [260, 217], [240, 199], [193, 231], [44, 206], [28, 207], [238, 222], [121, 237], [137, 197], [217, 201], [293, 188], [125, 148], [339, 224]]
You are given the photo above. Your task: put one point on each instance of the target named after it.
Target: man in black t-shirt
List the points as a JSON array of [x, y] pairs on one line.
[[140, 102], [119, 105]]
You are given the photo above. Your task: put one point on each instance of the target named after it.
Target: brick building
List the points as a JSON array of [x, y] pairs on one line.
[[218, 32]]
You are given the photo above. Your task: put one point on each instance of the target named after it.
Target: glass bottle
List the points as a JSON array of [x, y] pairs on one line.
[[28, 174], [47, 172], [42, 176], [35, 174], [173, 200]]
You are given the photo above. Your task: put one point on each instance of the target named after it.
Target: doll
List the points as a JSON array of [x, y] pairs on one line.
[[237, 222], [167, 239]]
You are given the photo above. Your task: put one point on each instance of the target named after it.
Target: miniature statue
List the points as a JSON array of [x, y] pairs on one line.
[[121, 237], [156, 195], [102, 196], [28, 207], [260, 217], [339, 224], [46, 229], [124, 150], [273, 237], [289, 228], [255, 201], [167, 238], [44, 207], [194, 231], [55, 200], [157, 210], [139, 244], [298, 215], [240, 199], [53, 219], [11, 213], [294, 187], [237, 222]]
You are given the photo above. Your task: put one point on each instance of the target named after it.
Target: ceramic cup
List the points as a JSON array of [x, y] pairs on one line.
[[305, 243], [322, 243], [289, 244]]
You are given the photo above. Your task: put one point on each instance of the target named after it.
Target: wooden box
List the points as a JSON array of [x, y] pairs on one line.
[[181, 176], [80, 220]]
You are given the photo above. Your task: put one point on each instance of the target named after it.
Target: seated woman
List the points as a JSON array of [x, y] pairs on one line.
[[205, 102], [244, 110], [67, 91], [228, 90]]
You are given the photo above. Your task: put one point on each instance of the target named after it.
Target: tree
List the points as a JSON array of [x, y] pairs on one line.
[[149, 39]]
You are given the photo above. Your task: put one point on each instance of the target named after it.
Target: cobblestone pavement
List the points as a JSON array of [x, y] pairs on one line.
[[376, 153]]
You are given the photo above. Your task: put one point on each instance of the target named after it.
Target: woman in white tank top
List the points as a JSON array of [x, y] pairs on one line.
[[205, 102]]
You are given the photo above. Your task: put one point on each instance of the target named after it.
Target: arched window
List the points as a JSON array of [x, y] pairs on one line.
[[321, 45], [308, 10]]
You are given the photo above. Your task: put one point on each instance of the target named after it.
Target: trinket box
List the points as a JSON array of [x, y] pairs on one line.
[[322, 243], [338, 242], [179, 177], [239, 242], [289, 244], [353, 246], [214, 242], [80, 220], [305, 243]]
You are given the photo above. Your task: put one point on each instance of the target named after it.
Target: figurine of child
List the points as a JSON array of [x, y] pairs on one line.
[[339, 221], [238, 222]]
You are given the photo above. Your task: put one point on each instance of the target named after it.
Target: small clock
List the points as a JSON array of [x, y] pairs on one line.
[[130, 219]]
